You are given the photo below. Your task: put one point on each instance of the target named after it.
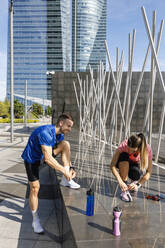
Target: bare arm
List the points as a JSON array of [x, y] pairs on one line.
[[47, 152], [145, 178], [148, 173], [115, 172]]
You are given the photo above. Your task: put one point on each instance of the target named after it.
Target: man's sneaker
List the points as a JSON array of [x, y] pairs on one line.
[[37, 227], [125, 196], [71, 184]]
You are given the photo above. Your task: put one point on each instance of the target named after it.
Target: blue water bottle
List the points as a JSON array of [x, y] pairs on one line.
[[90, 203]]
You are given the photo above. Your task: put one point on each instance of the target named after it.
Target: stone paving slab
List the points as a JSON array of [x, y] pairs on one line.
[[15, 214], [142, 220]]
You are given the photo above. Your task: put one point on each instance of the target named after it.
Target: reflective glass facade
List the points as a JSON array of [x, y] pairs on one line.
[[88, 33], [41, 33]]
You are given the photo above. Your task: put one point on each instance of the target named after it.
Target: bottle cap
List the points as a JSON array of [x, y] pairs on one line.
[[90, 192], [117, 209]]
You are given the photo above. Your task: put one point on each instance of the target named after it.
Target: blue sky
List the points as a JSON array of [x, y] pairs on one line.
[[126, 15], [123, 17]]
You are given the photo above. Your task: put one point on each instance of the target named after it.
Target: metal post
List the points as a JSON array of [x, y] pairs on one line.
[[153, 74], [128, 93], [25, 120], [157, 51], [138, 85], [153, 48], [116, 105], [75, 39], [11, 74], [43, 107], [131, 53], [114, 82], [51, 73]]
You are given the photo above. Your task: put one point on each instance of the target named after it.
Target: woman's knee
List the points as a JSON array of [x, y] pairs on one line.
[[124, 169], [134, 173], [124, 165]]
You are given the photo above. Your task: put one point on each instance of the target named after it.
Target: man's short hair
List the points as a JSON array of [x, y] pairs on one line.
[[64, 117]]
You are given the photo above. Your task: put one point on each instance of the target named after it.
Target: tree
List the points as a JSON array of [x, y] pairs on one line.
[[48, 111], [18, 109], [4, 109], [37, 109]]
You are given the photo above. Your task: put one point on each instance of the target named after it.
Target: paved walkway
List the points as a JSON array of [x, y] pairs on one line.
[[142, 220], [15, 215]]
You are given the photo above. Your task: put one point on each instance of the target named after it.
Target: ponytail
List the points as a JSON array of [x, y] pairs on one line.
[[143, 152]]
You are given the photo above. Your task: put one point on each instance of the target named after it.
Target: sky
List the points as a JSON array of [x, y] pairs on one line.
[[123, 17]]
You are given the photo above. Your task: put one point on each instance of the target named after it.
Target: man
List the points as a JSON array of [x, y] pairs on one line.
[[46, 142]]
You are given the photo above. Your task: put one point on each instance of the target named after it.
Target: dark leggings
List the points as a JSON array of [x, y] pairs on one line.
[[134, 172]]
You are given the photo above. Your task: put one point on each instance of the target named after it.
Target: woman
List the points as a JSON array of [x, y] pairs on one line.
[[133, 158]]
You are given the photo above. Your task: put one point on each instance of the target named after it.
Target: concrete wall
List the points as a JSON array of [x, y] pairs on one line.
[[64, 97]]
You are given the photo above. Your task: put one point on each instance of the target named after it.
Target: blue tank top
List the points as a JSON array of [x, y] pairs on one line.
[[43, 135]]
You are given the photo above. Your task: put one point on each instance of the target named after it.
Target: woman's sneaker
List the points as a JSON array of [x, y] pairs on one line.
[[125, 196], [134, 191]]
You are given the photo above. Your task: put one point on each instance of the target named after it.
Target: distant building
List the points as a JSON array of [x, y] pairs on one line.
[[88, 33], [41, 33], [43, 41]]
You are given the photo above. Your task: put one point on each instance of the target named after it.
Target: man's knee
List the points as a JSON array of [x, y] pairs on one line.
[[62, 147], [65, 145], [34, 188]]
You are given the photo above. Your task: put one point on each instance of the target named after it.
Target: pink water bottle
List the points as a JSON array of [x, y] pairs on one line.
[[116, 220]]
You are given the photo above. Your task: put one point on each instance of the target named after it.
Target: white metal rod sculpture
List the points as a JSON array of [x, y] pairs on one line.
[[101, 107]]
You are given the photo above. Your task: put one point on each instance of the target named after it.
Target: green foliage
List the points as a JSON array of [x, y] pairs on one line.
[[48, 111], [18, 109], [37, 109], [7, 120], [4, 109]]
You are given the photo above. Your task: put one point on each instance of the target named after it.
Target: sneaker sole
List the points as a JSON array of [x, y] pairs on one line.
[[40, 233], [67, 185], [74, 188], [129, 199]]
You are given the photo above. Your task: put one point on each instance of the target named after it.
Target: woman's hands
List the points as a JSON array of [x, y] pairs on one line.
[[133, 186], [123, 186]]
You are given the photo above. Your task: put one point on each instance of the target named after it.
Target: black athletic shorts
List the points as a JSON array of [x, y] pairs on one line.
[[32, 170], [134, 168]]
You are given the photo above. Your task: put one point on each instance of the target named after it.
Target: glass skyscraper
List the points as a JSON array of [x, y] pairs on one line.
[[88, 33], [41, 34]]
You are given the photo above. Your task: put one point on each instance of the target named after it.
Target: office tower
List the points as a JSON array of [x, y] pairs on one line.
[[88, 33], [41, 34]]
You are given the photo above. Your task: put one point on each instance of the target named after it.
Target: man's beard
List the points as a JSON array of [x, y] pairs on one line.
[[64, 131], [61, 131]]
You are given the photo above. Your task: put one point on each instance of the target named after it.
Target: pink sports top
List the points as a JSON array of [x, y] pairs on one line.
[[135, 157]]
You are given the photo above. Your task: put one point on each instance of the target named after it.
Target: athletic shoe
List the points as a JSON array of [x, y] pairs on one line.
[[134, 191], [71, 184], [37, 227], [125, 196]]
